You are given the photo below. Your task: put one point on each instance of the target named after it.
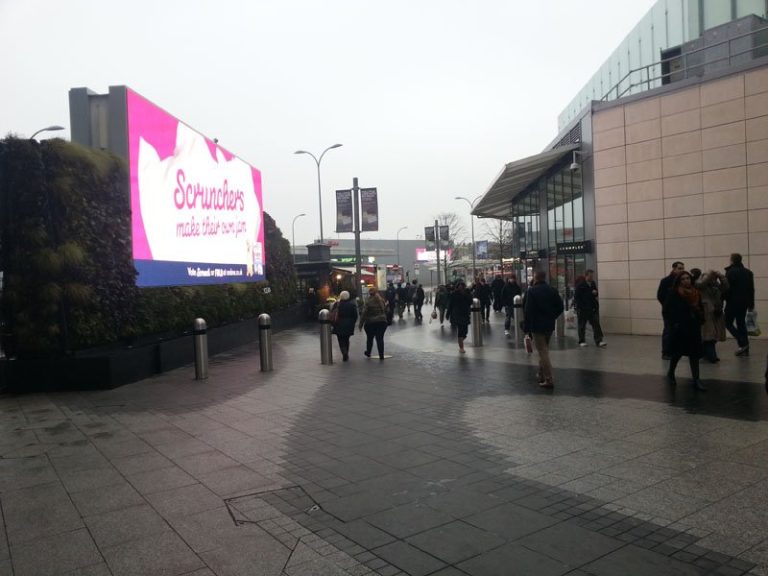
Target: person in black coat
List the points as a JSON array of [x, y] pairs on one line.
[[459, 310], [483, 293], [684, 314], [497, 286], [739, 298], [345, 323], [588, 309], [661, 295], [543, 305], [418, 300], [508, 293]]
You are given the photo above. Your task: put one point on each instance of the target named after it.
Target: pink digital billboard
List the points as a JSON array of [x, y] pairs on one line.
[[197, 208]]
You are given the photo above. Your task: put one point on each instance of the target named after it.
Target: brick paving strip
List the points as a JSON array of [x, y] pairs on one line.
[[425, 463]]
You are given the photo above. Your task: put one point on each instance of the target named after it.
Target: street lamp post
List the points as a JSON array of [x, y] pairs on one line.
[[397, 241], [319, 189], [293, 234], [53, 128], [472, 227]]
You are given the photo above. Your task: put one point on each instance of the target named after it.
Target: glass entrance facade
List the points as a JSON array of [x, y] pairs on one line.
[[549, 213]]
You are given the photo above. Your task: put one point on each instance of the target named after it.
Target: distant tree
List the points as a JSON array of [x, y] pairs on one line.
[[499, 234]]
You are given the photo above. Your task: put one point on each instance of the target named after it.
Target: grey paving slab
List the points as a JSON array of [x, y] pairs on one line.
[[200, 463], [456, 541], [160, 480], [511, 521], [37, 512], [409, 559], [125, 525], [100, 569], [407, 520], [248, 555], [513, 560], [63, 552], [235, 480], [106, 499], [184, 500], [79, 480], [571, 544], [163, 553], [642, 562], [365, 534], [144, 462], [17, 473]]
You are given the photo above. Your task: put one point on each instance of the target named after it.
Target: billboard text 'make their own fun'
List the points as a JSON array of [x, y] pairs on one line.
[[197, 209]]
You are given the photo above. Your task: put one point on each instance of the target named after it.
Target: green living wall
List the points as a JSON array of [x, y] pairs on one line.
[[65, 253]]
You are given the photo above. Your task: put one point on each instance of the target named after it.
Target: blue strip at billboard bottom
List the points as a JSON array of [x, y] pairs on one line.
[[161, 273]]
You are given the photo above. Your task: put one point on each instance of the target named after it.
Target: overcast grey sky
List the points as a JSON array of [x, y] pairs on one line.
[[429, 97]]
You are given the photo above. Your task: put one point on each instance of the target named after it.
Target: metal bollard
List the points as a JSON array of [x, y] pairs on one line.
[[477, 329], [265, 342], [517, 304], [326, 342], [200, 339]]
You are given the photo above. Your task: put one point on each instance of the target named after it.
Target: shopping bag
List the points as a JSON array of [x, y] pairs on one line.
[[528, 344], [570, 319], [752, 327]]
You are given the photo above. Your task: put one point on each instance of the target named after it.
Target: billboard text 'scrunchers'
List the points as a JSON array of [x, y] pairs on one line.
[[197, 209]]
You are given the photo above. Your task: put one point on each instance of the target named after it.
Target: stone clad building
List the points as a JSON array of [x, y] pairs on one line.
[[662, 156]]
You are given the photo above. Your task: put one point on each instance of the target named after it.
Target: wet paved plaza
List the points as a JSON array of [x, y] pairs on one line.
[[428, 462]]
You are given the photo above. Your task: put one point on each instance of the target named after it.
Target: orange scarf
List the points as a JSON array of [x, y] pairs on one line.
[[690, 295]]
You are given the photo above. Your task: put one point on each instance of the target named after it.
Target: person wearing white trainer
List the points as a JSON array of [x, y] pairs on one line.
[[588, 309]]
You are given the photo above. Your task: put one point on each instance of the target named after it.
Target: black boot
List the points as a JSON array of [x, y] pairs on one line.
[[671, 372]]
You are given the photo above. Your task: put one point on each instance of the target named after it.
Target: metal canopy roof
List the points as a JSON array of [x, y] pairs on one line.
[[514, 179]]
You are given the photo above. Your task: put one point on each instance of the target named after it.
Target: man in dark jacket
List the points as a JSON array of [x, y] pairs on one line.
[[418, 299], [543, 305], [739, 298], [483, 293], [588, 309], [497, 286], [508, 293], [661, 295]]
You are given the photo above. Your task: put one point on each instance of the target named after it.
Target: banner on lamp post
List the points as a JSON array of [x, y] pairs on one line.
[[370, 209], [344, 219], [481, 249]]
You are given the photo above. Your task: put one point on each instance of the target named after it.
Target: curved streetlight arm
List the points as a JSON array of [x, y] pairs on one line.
[[319, 187], [53, 128]]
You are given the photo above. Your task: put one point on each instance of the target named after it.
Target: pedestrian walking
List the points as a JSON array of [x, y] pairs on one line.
[[543, 305], [482, 292], [588, 309], [684, 315], [391, 298], [441, 301], [410, 291], [459, 310], [713, 287], [402, 299], [507, 298], [374, 320], [418, 300], [497, 286], [661, 295], [346, 318], [739, 299]]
